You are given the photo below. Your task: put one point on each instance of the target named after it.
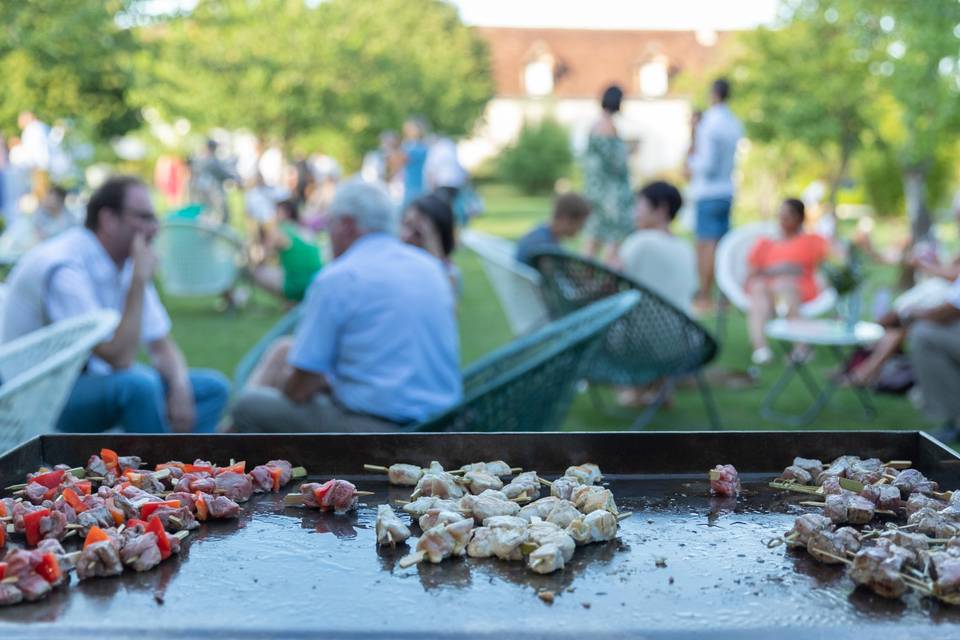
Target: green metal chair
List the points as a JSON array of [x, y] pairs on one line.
[[527, 385], [655, 341], [248, 363]]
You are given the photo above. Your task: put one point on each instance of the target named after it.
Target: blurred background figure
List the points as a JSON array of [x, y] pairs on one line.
[[209, 173], [52, 216], [415, 156], [297, 258], [570, 213], [428, 223], [607, 182]]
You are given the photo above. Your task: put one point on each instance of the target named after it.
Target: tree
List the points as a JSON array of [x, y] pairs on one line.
[[291, 70], [68, 60], [803, 83]]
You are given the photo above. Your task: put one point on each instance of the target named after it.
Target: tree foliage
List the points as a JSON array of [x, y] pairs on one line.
[[291, 70], [540, 156], [67, 60]]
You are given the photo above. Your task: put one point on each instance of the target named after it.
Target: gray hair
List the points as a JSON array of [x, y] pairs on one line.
[[368, 204]]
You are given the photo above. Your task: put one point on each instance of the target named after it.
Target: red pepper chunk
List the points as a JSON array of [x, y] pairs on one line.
[[49, 568], [156, 527], [239, 467], [3, 542], [132, 522], [197, 468], [201, 504], [31, 525], [75, 501], [3, 570], [275, 473], [321, 492], [51, 479], [84, 487], [95, 535], [110, 459], [150, 507], [3, 510]]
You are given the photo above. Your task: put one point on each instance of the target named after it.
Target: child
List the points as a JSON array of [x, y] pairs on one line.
[[299, 259], [570, 212]]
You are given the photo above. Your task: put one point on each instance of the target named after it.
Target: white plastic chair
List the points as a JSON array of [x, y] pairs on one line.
[[517, 285], [198, 258], [732, 269], [38, 372]]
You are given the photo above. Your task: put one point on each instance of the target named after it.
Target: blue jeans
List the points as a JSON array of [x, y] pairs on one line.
[[713, 218], [135, 400]]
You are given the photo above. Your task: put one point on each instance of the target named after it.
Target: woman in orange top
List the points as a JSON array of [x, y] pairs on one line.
[[782, 269]]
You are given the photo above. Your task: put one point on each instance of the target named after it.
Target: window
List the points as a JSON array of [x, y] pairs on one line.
[[654, 78], [538, 76]]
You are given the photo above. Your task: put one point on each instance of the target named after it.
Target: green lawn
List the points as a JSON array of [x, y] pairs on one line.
[[216, 339]]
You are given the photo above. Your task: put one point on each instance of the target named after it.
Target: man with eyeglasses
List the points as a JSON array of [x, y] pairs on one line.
[[109, 264]]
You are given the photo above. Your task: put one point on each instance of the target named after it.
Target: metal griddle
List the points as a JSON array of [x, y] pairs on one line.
[[289, 573]]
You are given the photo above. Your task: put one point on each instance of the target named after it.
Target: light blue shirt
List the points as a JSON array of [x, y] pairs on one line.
[[714, 152], [380, 323]]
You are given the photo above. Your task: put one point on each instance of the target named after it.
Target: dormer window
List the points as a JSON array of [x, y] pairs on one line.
[[538, 74], [654, 78]]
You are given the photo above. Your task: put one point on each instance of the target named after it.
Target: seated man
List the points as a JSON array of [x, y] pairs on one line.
[[782, 272], [654, 257], [570, 212], [933, 342], [377, 346], [109, 264]]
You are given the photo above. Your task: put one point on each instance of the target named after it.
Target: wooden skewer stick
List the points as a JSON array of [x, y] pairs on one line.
[[623, 516], [375, 467], [10, 580], [810, 503], [545, 483], [181, 535], [364, 493], [401, 502], [70, 534], [942, 495], [74, 526], [72, 557], [177, 521], [412, 559], [898, 464], [795, 486]]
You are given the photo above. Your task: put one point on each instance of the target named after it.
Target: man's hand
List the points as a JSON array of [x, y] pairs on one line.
[[180, 408], [144, 260]]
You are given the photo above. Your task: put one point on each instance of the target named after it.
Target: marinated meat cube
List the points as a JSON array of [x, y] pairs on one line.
[[945, 570], [724, 480], [221, 507], [804, 527], [911, 481], [67, 510], [588, 498], [933, 523], [98, 516], [10, 594], [559, 512], [810, 465], [479, 481], [236, 486], [53, 525], [187, 500], [140, 552], [96, 467], [831, 547], [433, 517], [545, 559], [831, 486], [178, 519], [883, 496], [919, 501], [848, 509], [526, 483], [437, 482], [878, 569], [404, 475], [587, 473], [597, 526], [563, 487], [914, 542], [421, 505], [262, 479], [100, 560], [389, 528], [797, 474], [36, 493], [129, 462], [483, 507], [498, 468], [191, 482]]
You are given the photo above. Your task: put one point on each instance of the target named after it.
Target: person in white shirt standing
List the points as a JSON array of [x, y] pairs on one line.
[[711, 168], [109, 264], [652, 255]]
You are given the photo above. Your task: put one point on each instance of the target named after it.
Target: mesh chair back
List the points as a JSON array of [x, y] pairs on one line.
[[528, 385], [517, 285], [197, 258], [653, 341], [38, 372], [284, 326]]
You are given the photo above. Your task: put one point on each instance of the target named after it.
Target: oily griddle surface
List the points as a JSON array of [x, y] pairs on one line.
[[287, 572]]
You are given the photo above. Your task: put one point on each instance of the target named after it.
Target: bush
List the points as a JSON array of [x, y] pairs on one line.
[[540, 156]]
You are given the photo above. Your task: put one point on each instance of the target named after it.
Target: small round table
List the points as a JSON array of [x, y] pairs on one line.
[[839, 338]]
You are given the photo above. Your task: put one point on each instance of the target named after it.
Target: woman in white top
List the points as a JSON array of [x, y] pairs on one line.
[[652, 255]]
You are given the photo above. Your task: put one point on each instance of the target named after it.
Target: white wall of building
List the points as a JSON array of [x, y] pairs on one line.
[[659, 130]]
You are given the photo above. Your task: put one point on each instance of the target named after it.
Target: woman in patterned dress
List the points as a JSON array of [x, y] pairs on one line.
[[607, 183]]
